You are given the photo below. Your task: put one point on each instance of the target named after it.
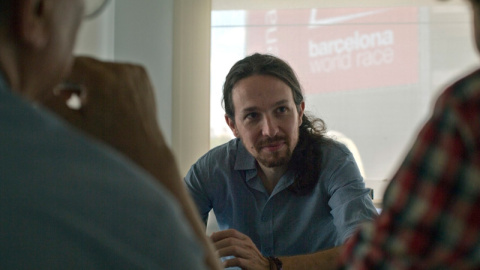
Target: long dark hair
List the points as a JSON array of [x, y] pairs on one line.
[[7, 9], [306, 157]]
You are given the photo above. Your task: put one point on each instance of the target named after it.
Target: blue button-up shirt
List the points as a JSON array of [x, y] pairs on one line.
[[281, 223]]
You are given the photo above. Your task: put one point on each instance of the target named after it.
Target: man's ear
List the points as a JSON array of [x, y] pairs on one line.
[[231, 124], [33, 22], [301, 111]]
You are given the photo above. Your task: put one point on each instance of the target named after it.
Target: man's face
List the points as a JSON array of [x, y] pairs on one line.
[[266, 119]]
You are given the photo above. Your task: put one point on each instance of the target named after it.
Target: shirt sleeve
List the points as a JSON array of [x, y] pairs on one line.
[[349, 200], [194, 181], [431, 211]]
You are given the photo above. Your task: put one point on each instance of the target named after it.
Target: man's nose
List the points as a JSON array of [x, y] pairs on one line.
[[269, 127]]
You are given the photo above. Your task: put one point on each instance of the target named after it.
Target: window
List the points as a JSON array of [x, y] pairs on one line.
[[370, 71]]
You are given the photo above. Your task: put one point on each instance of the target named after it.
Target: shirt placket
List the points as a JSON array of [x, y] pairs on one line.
[[266, 235]]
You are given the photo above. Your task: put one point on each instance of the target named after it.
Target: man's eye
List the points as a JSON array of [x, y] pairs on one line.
[[282, 109], [251, 116]]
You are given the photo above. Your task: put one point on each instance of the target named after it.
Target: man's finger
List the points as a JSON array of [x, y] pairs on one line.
[[229, 233], [238, 252], [236, 262], [228, 242]]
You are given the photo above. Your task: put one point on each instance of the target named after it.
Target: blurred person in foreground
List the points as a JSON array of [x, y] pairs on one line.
[[284, 194], [431, 208], [68, 200]]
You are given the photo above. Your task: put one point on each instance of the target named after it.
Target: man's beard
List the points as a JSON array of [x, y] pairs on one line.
[[275, 159]]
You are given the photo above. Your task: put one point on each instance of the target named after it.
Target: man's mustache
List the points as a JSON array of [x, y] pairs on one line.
[[270, 141]]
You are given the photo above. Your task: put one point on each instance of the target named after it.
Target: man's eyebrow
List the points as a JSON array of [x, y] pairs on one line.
[[250, 109], [255, 108], [281, 102]]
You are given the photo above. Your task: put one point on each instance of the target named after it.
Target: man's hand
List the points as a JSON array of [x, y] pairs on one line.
[[233, 243]]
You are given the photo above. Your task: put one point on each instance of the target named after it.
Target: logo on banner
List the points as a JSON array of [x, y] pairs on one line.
[[340, 49]]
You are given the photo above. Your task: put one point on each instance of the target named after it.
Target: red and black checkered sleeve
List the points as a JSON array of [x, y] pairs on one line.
[[431, 214]]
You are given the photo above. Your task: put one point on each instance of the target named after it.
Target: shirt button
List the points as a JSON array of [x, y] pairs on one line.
[[264, 218]]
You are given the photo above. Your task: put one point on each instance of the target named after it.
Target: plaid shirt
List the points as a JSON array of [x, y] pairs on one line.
[[431, 214]]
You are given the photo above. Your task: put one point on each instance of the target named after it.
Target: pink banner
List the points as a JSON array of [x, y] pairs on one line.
[[341, 49]]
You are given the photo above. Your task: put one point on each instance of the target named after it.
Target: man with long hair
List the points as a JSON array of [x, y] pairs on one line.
[[281, 188]]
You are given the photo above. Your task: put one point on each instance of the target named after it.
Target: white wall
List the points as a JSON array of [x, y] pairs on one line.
[[144, 34], [96, 36], [139, 32], [191, 81]]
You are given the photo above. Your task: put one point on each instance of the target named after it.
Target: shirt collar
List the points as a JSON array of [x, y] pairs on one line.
[[244, 160]]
